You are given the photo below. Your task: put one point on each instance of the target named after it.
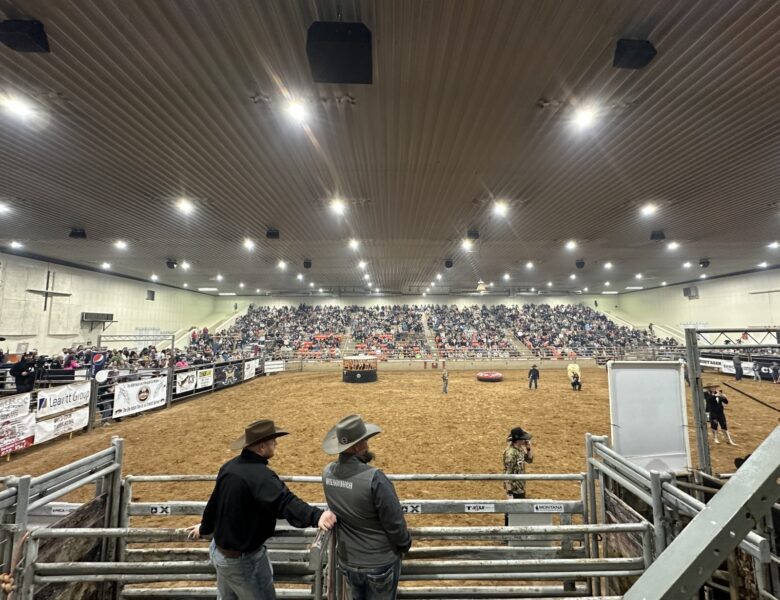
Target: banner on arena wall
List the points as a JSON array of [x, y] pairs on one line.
[[726, 365], [62, 398], [250, 368], [14, 407], [273, 366], [227, 375], [49, 429], [17, 434], [185, 382], [137, 396], [205, 378]]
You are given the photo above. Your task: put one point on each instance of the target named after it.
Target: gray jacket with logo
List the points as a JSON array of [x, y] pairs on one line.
[[371, 525]]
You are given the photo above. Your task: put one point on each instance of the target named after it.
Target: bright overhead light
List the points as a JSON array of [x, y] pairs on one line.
[[427, 290], [241, 284], [634, 287], [208, 289], [438, 276], [673, 245], [572, 276], [249, 244], [362, 264], [185, 265], [16, 245], [638, 276], [366, 276], [774, 245], [376, 289], [607, 284], [17, 107], [4, 208], [297, 112], [533, 289], [763, 265], [607, 265], [105, 265], [299, 276], [353, 243], [424, 294], [529, 265], [703, 276], [584, 289], [337, 206], [686, 265], [185, 205], [663, 283], [571, 245], [154, 277], [227, 293], [219, 277], [491, 284], [611, 293], [501, 208], [120, 244], [433, 284], [311, 284], [467, 244], [185, 285], [257, 290], [506, 277], [320, 290], [549, 284], [370, 286], [282, 265], [648, 209], [584, 117]]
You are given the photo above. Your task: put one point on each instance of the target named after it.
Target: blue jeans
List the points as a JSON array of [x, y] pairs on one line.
[[373, 583], [248, 577]]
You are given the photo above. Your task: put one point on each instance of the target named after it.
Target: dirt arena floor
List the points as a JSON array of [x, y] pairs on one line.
[[424, 430]]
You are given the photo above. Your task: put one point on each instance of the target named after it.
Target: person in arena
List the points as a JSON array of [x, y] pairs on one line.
[[445, 381], [24, 373], [575, 376], [372, 535], [242, 511], [518, 453], [715, 407], [533, 377]]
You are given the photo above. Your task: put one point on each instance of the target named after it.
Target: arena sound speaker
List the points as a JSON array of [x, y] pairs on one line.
[[339, 52], [24, 36], [692, 293], [448, 263], [633, 54]]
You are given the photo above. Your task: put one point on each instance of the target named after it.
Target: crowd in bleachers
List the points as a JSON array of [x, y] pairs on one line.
[[390, 332], [470, 331]]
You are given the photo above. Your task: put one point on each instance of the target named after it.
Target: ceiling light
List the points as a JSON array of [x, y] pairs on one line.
[[533, 289], [572, 276], [584, 118], [433, 284], [376, 290], [584, 289], [282, 265], [369, 285], [366, 276], [320, 290], [257, 290], [362, 264], [506, 276], [549, 284], [424, 294], [311, 284], [17, 245], [121, 245], [467, 244], [219, 277], [227, 293], [186, 206], [686, 265], [571, 245], [353, 243], [208, 289], [606, 284], [4, 208], [663, 283], [648, 209], [529, 265], [763, 265], [634, 287], [607, 265], [299, 276], [185, 285], [500, 208], [673, 245], [609, 292], [427, 290], [185, 265], [249, 244], [438, 276], [297, 112], [105, 265], [703, 276], [337, 206], [241, 284], [491, 284], [638, 276], [774, 245], [154, 277], [17, 107]]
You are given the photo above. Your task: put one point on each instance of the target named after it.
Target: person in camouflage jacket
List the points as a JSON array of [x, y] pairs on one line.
[[516, 455]]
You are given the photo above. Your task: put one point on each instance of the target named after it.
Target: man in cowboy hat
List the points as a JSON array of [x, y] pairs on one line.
[[242, 511], [516, 455], [372, 533]]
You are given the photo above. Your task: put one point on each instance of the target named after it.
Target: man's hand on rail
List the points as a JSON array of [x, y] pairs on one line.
[[193, 533]]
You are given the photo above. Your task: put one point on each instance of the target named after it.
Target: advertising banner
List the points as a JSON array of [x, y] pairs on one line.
[[14, 407], [17, 434], [250, 368], [62, 398], [226, 375], [185, 382], [137, 396], [274, 366], [205, 378], [61, 424]]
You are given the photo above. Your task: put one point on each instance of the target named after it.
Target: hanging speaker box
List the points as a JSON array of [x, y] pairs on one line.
[[339, 52]]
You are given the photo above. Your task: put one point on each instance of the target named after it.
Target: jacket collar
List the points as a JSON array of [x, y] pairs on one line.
[[249, 456]]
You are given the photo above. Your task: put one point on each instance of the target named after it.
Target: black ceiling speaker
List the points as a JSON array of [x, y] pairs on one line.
[[633, 54], [307, 263], [272, 234], [24, 36], [472, 234], [77, 233], [657, 235], [448, 263], [339, 52], [580, 262], [704, 263], [171, 263]]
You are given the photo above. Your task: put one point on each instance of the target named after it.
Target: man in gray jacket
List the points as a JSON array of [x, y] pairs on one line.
[[371, 533]]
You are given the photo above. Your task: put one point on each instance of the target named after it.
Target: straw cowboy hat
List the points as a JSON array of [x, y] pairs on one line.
[[259, 431], [348, 432]]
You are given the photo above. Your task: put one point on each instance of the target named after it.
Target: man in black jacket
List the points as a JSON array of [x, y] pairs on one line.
[[241, 514], [24, 373], [715, 403]]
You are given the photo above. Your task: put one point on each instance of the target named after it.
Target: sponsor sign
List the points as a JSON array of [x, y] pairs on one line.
[[250, 368], [185, 382], [17, 434], [133, 397], [480, 508], [226, 375], [273, 366], [548, 507], [160, 509], [411, 508], [14, 407], [205, 378], [98, 362], [49, 429], [62, 398]]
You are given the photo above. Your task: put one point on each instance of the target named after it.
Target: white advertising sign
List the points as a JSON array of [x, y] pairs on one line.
[[185, 382], [17, 435], [137, 396], [250, 368], [548, 507], [480, 508], [205, 378], [61, 424], [274, 366], [59, 399], [14, 407]]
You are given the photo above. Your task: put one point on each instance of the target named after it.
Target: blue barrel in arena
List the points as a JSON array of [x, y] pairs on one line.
[[358, 369]]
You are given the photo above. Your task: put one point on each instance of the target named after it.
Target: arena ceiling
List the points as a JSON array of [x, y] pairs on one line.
[[143, 102]]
